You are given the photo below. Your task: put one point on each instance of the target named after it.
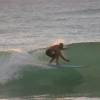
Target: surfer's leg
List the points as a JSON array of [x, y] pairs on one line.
[[51, 54], [52, 59], [57, 59]]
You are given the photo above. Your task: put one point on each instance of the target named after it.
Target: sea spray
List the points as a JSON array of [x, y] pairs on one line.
[[12, 64]]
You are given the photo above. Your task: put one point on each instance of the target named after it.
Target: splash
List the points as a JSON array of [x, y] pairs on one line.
[[11, 65]]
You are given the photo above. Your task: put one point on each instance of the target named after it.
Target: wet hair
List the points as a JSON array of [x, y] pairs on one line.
[[61, 45]]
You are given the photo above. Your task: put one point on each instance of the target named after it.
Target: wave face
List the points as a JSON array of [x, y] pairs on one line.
[[26, 73]]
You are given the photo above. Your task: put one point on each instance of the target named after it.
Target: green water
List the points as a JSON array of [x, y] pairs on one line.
[[38, 82], [54, 82]]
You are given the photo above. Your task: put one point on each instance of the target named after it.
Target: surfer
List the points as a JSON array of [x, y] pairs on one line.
[[55, 52]]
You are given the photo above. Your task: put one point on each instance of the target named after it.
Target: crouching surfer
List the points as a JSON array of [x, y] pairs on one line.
[[55, 52]]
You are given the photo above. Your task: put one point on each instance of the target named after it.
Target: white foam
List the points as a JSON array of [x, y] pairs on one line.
[[10, 66]]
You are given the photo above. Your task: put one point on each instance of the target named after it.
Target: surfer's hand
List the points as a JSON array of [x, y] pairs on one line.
[[67, 60]]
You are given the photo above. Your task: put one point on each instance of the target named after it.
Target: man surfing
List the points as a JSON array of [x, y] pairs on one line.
[[55, 52]]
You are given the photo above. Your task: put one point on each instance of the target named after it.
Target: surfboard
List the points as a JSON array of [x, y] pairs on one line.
[[65, 65]]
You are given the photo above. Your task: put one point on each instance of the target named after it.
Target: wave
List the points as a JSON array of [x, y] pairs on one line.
[[26, 74], [12, 63], [22, 75]]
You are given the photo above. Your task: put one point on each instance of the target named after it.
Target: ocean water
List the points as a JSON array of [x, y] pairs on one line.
[[29, 26], [38, 23], [27, 75]]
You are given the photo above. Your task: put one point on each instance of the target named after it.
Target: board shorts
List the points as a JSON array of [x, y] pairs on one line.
[[50, 53]]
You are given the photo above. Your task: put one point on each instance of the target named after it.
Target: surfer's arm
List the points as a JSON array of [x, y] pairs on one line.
[[63, 57]]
